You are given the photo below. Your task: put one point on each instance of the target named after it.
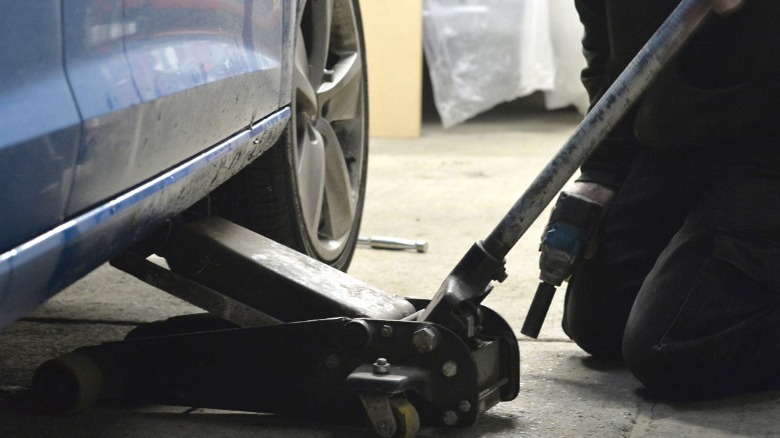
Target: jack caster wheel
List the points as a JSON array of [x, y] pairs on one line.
[[390, 416], [67, 384], [406, 417]]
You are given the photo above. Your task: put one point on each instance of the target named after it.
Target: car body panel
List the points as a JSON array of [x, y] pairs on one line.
[[39, 268], [138, 73], [118, 115], [39, 122]]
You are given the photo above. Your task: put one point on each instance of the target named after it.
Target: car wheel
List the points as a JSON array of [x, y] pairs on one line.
[[307, 191]]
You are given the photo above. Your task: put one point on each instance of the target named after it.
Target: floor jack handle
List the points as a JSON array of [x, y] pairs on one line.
[[599, 121], [483, 263]]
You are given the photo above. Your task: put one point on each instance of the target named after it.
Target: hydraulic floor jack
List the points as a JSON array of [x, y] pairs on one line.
[[286, 334], [325, 347]]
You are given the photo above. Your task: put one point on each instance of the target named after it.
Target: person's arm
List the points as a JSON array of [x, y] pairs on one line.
[[595, 47], [609, 163]]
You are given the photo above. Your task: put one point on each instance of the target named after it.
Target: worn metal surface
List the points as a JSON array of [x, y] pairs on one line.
[[271, 277], [194, 293], [455, 303]]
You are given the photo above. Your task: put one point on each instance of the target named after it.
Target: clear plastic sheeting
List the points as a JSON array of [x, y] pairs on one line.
[[481, 53]]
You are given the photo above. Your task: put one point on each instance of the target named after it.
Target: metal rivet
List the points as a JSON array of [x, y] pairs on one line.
[[449, 368], [464, 406], [449, 418], [332, 361]]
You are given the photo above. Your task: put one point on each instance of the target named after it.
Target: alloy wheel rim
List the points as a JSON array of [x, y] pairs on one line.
[[329, 144]]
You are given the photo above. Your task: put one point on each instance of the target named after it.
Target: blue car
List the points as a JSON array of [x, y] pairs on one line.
[[119, 116]]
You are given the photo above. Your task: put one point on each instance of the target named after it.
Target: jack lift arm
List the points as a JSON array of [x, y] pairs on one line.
[[292, 336]]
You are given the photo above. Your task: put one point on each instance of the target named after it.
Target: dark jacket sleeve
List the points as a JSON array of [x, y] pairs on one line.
[[609, 163]]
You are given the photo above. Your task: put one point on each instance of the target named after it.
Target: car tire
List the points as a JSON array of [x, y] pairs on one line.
[[307, 191]]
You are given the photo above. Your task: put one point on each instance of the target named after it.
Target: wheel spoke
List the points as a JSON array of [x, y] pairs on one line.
[[306, 98], [310, 170], [339, 194], [339, 98], [319, 39]]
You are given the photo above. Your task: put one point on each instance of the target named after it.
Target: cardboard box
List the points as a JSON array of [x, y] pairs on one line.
[[394, 46]]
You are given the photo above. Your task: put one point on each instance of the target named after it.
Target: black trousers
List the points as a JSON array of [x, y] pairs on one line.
[[685, 286]]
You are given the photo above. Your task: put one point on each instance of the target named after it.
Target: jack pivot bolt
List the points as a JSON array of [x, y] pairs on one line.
[[381, 366], [425, 340]]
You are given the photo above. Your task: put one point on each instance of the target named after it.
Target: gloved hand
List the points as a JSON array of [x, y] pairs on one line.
[[726, 7]]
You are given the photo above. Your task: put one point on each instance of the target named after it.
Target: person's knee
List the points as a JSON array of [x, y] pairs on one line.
[[658, 369], [648, 364], [594, 339], [693, 371]]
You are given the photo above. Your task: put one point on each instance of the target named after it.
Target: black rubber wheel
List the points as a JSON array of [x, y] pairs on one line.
[[67, 384], [307, 191]]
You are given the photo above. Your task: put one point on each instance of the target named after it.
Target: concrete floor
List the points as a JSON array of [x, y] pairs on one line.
[[449, 188]]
